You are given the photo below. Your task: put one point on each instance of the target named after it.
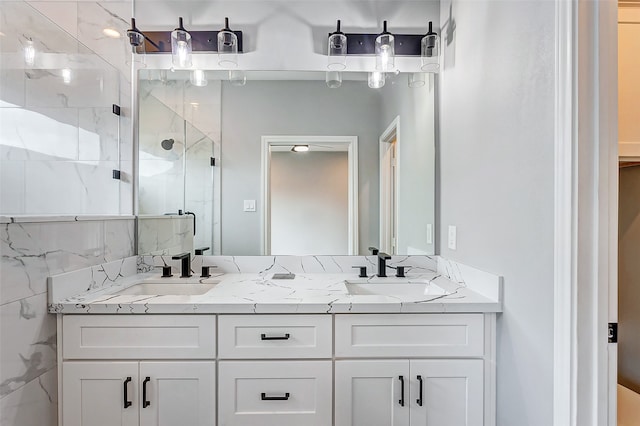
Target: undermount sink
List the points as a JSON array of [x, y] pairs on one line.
[[394, 287], [168, 289]]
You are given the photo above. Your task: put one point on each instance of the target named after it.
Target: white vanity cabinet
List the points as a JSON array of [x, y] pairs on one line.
[[441, 371], [151, 370]]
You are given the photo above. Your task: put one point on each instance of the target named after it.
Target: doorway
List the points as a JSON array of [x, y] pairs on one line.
[[389, 148], [309, 195]]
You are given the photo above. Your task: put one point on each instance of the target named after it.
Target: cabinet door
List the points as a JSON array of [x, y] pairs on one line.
[[452, 392], [177, 393], [100, 394], [370, 393]]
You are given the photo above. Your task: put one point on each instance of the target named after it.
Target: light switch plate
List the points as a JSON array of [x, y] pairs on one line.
[[249, 205], [453, 237], [429, 233]]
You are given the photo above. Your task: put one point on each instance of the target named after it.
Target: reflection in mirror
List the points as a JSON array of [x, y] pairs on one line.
[[261, 197]]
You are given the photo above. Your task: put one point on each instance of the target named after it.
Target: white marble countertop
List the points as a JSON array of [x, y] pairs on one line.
[[248, 293]]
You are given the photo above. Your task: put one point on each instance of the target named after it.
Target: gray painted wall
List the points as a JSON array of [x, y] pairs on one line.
[[496, 181], [309, 203], [292, 108], [629, 279], [416, 157]]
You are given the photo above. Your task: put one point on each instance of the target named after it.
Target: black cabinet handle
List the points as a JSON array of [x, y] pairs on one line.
[[145, 403], [264, 397], [265, 337], [127, 403], [401, 378], [419, 400]]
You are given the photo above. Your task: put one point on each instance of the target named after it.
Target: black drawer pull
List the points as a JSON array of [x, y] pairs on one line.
[[145, 403], [127, 403], [419, 400], [265, 337], [401, 402], [264, 397]]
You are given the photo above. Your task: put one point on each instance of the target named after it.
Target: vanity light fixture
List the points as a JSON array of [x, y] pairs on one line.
[[136, 40], [376, 79], [430, 51], [300, 148], [198, 78], [227, 47], [337, 50], [334, 79], [385, 50], [29, 53], [237, 77], [181, 46], [416, 79]]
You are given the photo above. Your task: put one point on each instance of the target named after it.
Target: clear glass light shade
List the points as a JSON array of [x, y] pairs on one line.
[[334, 79], [137, 54], [417, 79], [227, 49], [430, 53], [237, 78], [29, 53], [376, 79], [337, 52], [181, 49], [385, 52], [198, 78]]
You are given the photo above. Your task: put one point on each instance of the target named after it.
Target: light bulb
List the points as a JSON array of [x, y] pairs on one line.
[[198, 78], [182, 53], [376, 79], [66, 76], [29, 53]]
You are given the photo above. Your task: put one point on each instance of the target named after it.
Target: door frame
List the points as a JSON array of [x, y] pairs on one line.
[[350, 142], [391, 133], [585, 213]]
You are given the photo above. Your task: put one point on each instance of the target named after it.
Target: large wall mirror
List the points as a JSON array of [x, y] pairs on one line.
[[282, 164]]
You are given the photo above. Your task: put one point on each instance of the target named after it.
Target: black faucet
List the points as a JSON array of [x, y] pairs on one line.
[[382, 264], [186, 264]]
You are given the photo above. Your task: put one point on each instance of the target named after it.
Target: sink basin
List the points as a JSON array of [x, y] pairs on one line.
[[168, 289], [395, 287]]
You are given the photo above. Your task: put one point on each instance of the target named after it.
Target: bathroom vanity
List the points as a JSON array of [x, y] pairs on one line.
[[315, 349]]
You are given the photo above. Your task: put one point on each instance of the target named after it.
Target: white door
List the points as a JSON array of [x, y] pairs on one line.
[[100, 394], [177, 393], [389, 192], [372, 393], [447, 392]]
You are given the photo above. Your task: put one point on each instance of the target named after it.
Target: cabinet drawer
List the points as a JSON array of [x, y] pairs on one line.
[[410, 335], [274, 393], [274, 336], [139, 337]]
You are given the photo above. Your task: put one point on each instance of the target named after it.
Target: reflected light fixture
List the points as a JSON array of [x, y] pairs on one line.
[[111, 33], [334, 79], [300, 148], [376, 79], [416, 79], [227, 47], [29, 53], [237, 78], [181, 46], [385, 50], [66, 76], [430, 51], [198, 78], [337, 50]]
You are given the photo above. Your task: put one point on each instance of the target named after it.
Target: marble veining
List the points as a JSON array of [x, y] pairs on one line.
[[246, 285]]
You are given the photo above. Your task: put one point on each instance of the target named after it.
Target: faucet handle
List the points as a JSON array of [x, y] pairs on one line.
[[400, 271], [166, 271], [363, 271]]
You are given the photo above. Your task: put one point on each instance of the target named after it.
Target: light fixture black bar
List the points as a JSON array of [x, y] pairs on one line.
[[202, 41], [365, 44]]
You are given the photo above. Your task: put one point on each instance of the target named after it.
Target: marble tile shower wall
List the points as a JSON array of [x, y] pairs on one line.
[[59, 140], [30, 253]]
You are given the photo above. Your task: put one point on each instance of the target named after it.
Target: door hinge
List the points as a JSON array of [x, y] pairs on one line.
[[613, 332]]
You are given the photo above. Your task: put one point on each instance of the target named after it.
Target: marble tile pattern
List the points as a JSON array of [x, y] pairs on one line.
[[165, 235], [59, 139], [32, 251], [247, 285]]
